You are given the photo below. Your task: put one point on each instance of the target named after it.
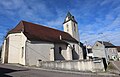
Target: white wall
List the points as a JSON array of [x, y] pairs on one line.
[[63, 55], [67, 53], [15, 53], [76, 65], [78, 53], [119, 55], [3, 51], [112, 53], [98, 51], [73, 31], [102, 52], [36, 50]]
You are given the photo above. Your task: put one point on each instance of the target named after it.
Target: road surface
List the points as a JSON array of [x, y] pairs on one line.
[[7, 70]]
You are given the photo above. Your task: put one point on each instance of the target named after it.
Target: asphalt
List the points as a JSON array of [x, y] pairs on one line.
[[10, 70]]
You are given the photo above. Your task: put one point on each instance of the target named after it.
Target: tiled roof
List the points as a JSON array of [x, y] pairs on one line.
[[37, 32], [107, 44]]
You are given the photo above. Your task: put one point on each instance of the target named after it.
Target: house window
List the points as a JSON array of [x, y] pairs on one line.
[[89, 50], [22, 52], [60, 49]]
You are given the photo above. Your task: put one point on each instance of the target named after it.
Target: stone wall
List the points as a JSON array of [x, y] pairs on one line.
[[75, 65]]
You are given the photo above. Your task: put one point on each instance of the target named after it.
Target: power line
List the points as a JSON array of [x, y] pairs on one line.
[[31, 49], [38, 53], [105, 36]]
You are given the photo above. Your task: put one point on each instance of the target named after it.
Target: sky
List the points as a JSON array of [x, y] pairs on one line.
[[97, 19]]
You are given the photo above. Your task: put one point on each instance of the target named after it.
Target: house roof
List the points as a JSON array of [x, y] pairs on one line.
[[35, 32], [107, 44], [118, 48]]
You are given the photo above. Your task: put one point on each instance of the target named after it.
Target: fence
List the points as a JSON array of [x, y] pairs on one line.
[[76, 65]]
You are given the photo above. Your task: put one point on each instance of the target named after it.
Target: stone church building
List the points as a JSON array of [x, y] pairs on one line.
[[29, 43]]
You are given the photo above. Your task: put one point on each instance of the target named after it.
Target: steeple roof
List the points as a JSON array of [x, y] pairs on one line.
[[69, 14], [70, 17]]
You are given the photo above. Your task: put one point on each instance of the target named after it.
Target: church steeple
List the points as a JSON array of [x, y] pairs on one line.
[[70, 26], [69, 17]]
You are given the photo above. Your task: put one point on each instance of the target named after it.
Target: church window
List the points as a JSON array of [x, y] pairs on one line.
[[74, 27], [60, 49], [67, 28], [22, 52], [73, 47]]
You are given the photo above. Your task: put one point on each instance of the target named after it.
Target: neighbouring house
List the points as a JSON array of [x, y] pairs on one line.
[[29, 43], [89, 52], [107, 50], [118, 48]]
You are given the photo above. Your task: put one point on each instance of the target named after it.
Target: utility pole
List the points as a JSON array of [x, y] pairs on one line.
[[86, 48], [104, 50]]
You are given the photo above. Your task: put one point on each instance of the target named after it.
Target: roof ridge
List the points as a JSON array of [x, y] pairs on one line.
[[23, 21], [39, 32]]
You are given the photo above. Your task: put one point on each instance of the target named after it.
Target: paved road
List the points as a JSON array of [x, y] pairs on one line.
[[19, 71], [116, 64]]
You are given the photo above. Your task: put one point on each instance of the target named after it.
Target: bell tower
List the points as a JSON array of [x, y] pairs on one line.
[[70, 26]]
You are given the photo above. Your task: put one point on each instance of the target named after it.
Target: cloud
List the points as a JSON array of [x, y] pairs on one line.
[[105, 2], [11, 4], [111, 32], [93, 16], [107, 23], [57, 23]]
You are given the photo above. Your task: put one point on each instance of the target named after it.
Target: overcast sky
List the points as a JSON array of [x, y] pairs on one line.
[[93, 16]]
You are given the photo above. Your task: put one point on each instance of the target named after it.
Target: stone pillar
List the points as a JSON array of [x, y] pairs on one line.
[[3, 52], [69, 53], [80, 52]]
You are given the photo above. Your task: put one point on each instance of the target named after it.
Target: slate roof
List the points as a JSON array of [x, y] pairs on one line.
[[35, 32], [107, 44], [70, 17]]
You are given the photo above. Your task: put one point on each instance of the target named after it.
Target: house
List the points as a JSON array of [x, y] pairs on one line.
[[118, 48], [29, 43], [107, 50], [89, 52]]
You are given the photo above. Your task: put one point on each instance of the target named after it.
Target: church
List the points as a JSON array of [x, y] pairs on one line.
[[28, 43]]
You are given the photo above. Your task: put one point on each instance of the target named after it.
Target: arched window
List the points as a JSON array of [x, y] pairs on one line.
[[74, 27], [60, 49], [22, 52], [67, 28]]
